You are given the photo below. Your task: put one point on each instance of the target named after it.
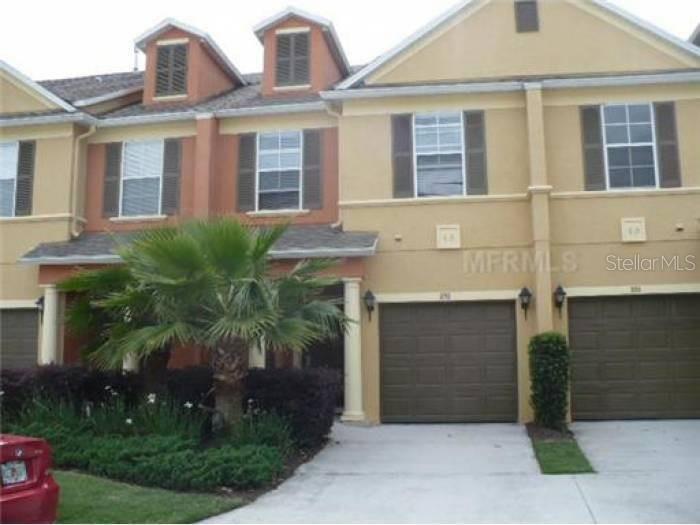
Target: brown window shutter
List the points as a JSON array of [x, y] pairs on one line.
[[171, 70], [667, 145], [112, 180], [475, 150], [172, 168], [163, 70], [402, 153], [593, 155], [527, 18], [300, 55], [247, 151], [25, 178], [313, 169], [284, 60]]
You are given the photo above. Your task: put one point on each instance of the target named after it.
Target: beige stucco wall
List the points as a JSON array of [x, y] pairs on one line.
[[15, 97], [574, 37]]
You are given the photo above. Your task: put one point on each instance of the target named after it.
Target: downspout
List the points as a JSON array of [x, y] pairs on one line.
[[75, 167], [337, 113]]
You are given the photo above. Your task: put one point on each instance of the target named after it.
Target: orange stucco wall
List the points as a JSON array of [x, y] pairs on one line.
[[323, 69], [204, 75]]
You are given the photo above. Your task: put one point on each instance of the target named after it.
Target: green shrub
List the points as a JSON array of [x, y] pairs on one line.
[[550, 373], [263, 429]]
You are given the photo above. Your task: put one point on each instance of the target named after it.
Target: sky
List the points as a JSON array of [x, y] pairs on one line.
[[85, 37]]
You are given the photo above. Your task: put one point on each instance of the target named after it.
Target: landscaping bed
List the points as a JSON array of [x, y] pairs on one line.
[[558, 452]]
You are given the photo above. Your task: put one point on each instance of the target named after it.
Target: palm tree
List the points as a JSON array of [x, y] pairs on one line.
[[213, 284]]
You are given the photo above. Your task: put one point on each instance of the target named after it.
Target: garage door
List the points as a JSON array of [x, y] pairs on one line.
[[448, 362], [635, 357], [19, 338]]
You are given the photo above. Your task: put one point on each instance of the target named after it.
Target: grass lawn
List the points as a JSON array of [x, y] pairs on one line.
[[561, 457], [88, 499]]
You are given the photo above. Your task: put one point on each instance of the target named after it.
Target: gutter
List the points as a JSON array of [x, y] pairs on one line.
[[75, 168], [78, 118]]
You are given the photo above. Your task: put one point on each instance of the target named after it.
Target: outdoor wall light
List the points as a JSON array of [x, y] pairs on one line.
[[525, 298], [370, 302], [559, 298], [40, 304]]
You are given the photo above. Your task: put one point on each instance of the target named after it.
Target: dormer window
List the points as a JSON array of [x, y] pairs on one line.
[[527, 18], [293, 47], [171, 69]]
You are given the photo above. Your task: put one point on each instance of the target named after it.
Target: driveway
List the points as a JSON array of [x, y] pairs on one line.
[[648, 472]]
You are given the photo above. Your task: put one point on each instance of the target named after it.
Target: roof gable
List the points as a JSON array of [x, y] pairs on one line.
[[325, 24], [170, 23], [488, 26], [26, 94]]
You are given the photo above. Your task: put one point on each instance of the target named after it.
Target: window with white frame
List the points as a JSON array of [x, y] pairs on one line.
[[279, 170], [9, 156], [142, 178], [630, 150], [439, 154]]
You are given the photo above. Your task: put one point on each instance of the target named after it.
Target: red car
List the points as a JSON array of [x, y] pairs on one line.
[[29, 493]]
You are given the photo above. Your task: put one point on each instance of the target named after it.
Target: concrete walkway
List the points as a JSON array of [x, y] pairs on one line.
[[648, 472]]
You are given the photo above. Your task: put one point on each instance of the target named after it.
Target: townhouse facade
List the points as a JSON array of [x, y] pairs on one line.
[[513, 167]]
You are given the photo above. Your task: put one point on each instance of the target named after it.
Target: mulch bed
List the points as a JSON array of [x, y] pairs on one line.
[[538, 433]]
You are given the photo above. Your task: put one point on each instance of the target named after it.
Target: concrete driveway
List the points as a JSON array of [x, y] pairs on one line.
[[648, 472]]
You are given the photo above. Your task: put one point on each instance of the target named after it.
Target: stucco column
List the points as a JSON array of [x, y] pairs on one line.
[[353, 410], [48, 353], [539, 207], [256, 357], [207, 131]]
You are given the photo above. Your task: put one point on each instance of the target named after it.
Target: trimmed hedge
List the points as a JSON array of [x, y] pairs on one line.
[[550, 373], [168, 462], [305, 398]]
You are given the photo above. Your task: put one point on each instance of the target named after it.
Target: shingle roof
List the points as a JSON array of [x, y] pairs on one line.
[[81, 88], [298, 242]]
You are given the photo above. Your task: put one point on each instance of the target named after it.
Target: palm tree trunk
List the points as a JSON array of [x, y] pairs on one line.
[[230, 366]]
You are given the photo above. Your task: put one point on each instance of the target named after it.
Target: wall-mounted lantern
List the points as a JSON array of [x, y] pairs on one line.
[[370, 302], [559, 298], [525, 298]]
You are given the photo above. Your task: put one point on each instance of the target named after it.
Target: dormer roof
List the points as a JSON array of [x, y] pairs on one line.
[[325, 24], [170, 23]]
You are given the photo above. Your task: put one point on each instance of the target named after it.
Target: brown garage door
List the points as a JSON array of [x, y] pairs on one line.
[[635, 357], [448, 362], [19, 334]]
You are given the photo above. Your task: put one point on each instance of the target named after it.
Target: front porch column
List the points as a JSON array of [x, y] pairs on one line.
[[353, 353], [48, 352], [256, 357]]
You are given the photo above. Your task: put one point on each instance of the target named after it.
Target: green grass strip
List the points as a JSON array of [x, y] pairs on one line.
[[561, 457], [89, 499]]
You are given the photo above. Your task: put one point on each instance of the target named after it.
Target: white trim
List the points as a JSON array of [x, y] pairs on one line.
[[325, 24], [159, 28], [29, 120], [41, 90], [147, 119], [72, 259], [41, 218], [425, 89], [643, 289], [278, 213], [167, 98], [15, 304], [292, 30], [692, 190], [454, 296], [139, 218], [672, 77], [173, 41], [455, 199], [107, 97], [445, 17], [298, 87]]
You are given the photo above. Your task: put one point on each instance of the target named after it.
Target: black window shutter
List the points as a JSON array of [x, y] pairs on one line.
[[402, 154], [112, 179], [593, 155], [667, 145], [247, 151], [172, 168], [475, 150], [171, 70], [527, 18], [25, 178], [313, 169]]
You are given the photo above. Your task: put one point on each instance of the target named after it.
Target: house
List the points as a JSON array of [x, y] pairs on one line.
[[511, 168]]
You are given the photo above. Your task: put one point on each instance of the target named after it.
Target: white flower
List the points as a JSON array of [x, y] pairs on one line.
[[2, 393], [114, 393], [107, 387], [151, 399], [188, 405], [129, 421]]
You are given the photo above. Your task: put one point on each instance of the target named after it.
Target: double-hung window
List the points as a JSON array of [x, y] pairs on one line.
[[630, 149], [279, 170], [439, 154], [9, 156], [142, 178]]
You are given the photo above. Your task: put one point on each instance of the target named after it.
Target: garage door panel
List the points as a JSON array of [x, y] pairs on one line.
[[635, 357], [19, 338], [462, 365]]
